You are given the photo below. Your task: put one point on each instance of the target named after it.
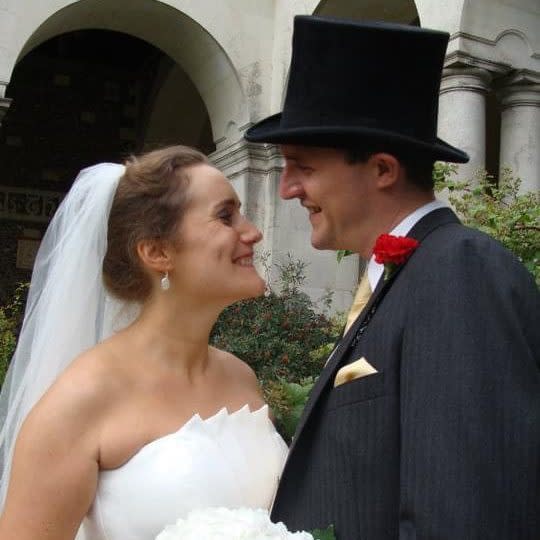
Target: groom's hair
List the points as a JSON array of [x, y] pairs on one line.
[[419, 168], [149, 203]]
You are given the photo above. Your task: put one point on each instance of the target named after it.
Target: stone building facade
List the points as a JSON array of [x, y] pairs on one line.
[[88, 81]]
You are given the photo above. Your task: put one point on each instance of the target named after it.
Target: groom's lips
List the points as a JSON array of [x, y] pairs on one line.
[[311, 208]]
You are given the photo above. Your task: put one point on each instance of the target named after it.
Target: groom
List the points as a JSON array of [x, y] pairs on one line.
[[425, 422]]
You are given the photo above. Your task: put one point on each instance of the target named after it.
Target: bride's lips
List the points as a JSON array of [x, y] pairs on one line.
[[245, 260]]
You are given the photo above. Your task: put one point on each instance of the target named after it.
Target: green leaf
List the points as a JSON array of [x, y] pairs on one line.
[[324, 534], [343, 253]]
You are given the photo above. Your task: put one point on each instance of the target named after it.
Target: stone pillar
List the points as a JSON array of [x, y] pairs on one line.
[[462, 114], [520, 130]]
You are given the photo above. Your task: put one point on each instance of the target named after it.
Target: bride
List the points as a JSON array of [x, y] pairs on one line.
[[117, 416]]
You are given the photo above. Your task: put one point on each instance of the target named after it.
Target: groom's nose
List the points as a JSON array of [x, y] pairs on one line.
[[289, 186]]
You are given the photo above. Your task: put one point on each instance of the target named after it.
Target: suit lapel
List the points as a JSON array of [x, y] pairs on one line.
[[432, 221], [330, 368], [425, 226]]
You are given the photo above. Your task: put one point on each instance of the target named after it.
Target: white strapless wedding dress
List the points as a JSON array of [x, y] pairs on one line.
[[232, 460]]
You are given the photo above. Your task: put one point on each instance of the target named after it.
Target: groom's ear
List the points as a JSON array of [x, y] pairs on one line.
[[154, 254], [387, 169]]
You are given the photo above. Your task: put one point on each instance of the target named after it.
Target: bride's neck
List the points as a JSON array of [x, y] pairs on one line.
[[179, 334]]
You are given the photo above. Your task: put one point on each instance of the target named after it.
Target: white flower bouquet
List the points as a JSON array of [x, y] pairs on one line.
[[229, 524]]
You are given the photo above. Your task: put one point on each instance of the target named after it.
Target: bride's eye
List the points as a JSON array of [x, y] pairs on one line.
[[226, 217]]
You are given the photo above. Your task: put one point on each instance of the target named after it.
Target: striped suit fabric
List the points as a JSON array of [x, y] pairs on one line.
[[444, 441]]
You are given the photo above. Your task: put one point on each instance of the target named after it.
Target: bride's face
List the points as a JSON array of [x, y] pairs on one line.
[[214, 255]]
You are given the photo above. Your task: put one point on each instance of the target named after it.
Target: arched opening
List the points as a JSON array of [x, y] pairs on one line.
[[94, 95], [80, 98], [177, 35]]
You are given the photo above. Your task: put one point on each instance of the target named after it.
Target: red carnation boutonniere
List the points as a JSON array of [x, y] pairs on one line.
[[393, 251]]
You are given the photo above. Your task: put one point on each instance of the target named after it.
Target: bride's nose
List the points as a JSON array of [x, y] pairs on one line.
[[249, 233]]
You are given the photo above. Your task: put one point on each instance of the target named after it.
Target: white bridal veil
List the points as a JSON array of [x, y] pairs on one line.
[[68, 309]]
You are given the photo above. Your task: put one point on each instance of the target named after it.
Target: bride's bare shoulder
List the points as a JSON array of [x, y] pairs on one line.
[[234, 365], [62, 435], [84, 391], [239, 377]]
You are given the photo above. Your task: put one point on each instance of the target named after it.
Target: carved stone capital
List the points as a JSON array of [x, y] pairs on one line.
[[462, 60], [244, 157], [522, 88], [468, 79]]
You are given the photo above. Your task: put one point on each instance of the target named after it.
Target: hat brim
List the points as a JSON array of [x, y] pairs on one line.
[[270, 130]]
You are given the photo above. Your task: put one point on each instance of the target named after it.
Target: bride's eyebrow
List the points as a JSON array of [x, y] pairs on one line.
[[228, 202]]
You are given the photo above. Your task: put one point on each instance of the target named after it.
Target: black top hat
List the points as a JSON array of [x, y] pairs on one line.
[[356, 82]]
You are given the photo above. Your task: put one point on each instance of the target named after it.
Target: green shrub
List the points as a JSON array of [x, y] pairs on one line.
[[276, 333], [285, 337], [498, 209], [10, 321], [7, 344], [287, 400]]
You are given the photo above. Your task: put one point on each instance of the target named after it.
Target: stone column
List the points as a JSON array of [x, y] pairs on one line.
[[462, 114], [520, 130]]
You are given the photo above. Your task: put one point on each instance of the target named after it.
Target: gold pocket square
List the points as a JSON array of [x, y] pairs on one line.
[[358, 369]]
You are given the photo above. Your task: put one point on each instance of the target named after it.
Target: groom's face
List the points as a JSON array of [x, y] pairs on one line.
[[337, 196]]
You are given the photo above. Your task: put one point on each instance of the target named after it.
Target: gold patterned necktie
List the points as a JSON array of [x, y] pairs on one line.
[[361, 298]]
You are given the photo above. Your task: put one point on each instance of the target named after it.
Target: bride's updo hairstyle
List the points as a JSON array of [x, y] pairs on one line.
[[148, 204]]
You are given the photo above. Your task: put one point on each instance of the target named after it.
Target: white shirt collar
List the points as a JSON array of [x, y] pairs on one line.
[[375, 270]]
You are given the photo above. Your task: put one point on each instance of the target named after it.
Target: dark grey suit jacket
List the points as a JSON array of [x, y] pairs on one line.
[[444, 441]]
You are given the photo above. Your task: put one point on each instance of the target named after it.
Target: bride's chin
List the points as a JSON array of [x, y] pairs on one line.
[[255, 290], [261, 287]]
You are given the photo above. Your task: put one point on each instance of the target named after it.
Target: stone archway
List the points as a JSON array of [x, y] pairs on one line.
[[173, 32], [117, 93], [77, 99], [88, 87]]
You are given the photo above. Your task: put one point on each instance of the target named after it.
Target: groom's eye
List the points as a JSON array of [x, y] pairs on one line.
[[304, 168]]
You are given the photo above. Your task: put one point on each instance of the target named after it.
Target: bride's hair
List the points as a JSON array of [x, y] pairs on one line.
[[148, 204]]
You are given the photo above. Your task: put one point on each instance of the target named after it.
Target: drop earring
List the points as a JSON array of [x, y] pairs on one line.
[[165, 282]]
